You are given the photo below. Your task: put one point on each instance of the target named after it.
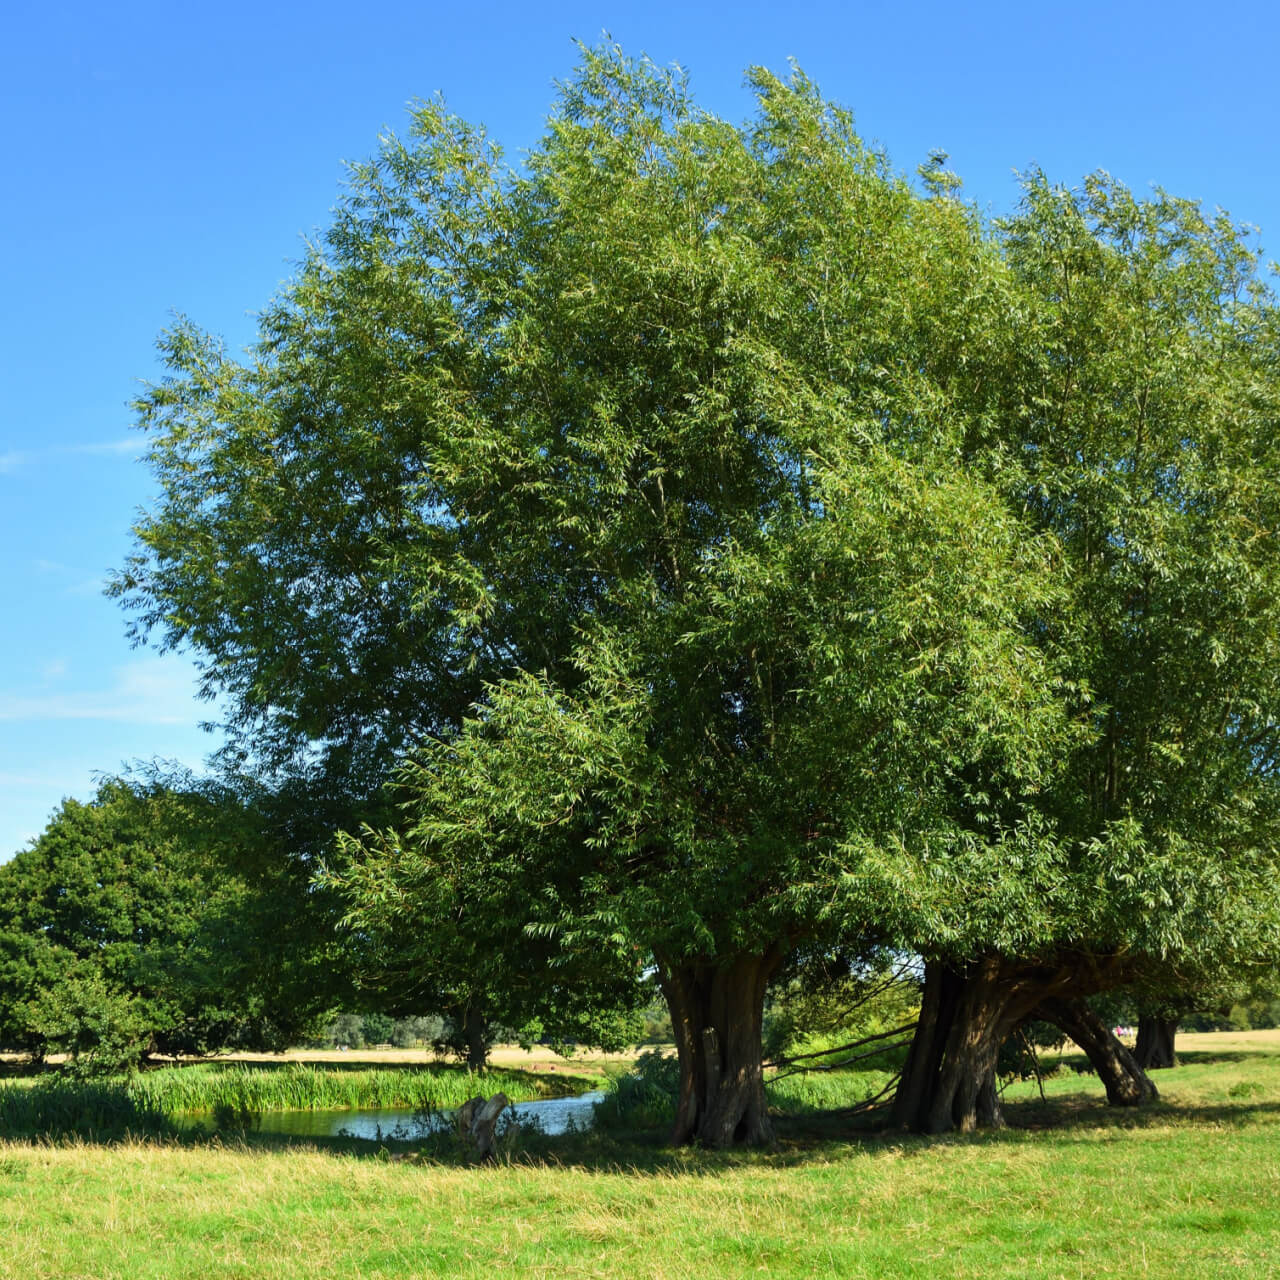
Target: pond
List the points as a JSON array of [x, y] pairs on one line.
[[553, 1114]]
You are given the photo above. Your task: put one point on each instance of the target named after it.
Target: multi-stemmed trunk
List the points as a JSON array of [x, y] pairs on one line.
[[949, 1080], [967, 1012], [717, 1012], [1155, 1049], [1127, 1084]]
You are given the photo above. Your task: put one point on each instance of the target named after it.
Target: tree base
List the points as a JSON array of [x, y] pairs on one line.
[[717, 1015]]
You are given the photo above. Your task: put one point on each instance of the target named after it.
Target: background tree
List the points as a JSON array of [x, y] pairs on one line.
[[127, 930], [100, 918]]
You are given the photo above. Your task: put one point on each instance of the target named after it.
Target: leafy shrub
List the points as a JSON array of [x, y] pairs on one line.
[[377, 1028], [644, 1098]]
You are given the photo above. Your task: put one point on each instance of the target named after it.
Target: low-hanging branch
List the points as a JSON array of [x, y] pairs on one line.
[[867, 1104], [844, 1048]]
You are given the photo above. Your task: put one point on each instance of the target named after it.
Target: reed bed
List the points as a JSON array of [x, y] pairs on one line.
[[151, 1103], [300, 1087], [827, 1091], [56, 1107]]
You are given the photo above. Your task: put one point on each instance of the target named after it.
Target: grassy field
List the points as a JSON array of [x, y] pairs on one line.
[[1188, 1188]]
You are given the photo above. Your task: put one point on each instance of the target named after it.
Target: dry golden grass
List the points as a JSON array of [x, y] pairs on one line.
[[1228, 1041], [583, 1062]]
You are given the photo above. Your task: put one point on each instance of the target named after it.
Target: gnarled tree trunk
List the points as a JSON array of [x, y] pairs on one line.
[[717, 1011], [949, 1081], [1155, 1043], [1127, 1084]]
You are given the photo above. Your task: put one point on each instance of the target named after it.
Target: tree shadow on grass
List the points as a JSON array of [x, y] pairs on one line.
[[815, 1137]]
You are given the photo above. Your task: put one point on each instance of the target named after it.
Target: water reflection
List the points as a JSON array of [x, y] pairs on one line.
[[554, 1115]]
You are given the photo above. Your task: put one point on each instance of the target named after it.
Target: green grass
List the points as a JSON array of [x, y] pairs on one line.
[[146, 1103], [1188, 1188], [824, 1091], [298, 1086]]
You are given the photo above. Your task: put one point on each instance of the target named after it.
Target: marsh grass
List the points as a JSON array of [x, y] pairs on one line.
[[151, 1102], [827, 1091], [299, 1087], [56, 1106]]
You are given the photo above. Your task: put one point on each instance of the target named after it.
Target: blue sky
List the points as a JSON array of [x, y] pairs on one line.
[[160, 160]]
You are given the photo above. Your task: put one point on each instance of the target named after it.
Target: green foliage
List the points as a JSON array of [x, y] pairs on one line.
[[378, 1028], [103, 929], [827, 1000], [101, 1029], [743, 549], [740, 642], [408, 1032], [155, 919], [642, 1098], [346, 1029]]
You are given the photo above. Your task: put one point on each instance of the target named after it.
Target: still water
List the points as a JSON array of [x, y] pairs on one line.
[[554, 1115]]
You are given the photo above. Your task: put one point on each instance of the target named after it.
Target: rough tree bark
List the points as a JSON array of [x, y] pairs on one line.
[[948, 1081], [1155, 1043], [1127, 1084], [475, 1031], [967, 1012], [717, 1012]]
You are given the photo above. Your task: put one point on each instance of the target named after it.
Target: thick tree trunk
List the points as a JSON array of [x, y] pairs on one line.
[[475, 1032], [1155, 1043], [717, 1012], [1127, 1084], [949, 1081]]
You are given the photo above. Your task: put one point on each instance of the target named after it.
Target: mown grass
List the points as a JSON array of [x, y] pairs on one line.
[[150, 1102], [1187, 1188]]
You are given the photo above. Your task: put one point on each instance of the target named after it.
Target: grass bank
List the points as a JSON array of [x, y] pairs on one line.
[[1189, 1188]]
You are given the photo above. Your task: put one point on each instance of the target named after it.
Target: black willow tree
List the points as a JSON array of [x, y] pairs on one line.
[[739, 548]]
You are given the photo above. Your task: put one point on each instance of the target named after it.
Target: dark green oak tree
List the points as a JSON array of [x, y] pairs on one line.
[[127, 929]]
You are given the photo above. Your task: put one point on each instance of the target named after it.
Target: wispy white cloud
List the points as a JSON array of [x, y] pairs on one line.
[[158, 690], [14, 459], [83, 586], [127, 444], [86, 588]]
